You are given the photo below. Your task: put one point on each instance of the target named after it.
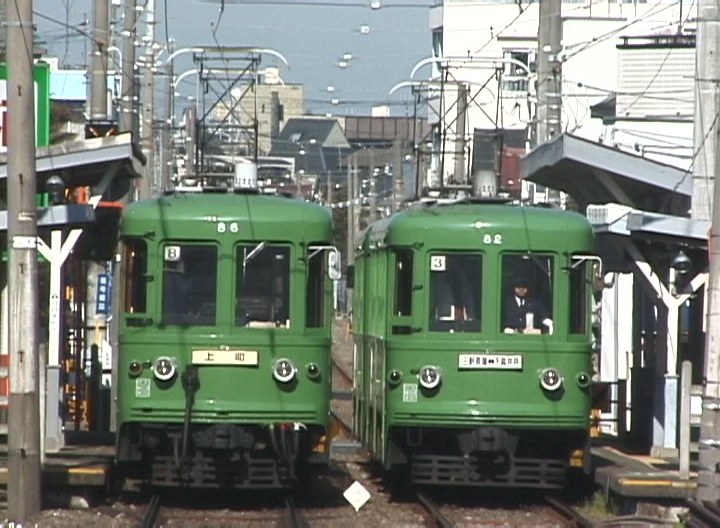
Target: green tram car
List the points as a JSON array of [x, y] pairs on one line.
[[451, 386], [224, 340]]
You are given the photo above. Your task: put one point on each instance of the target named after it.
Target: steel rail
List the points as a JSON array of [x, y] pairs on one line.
[[434, 510], [567, 514], [151, 512]]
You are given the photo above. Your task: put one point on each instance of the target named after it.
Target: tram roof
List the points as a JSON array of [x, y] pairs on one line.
[[286, 215], [440, 222]]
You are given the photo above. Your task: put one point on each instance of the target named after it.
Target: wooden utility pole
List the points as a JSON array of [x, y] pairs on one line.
[[24, 469], [705, 199], [549, 81]]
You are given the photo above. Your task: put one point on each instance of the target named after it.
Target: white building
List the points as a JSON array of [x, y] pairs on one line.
[[490, 47]]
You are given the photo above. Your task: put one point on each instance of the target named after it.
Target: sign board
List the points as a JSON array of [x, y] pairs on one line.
[[42, 106]]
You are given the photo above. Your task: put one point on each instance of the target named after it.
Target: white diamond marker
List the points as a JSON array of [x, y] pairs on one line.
[[356, 495]]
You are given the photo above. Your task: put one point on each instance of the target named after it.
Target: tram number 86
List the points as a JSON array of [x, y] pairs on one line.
[[233, 227]]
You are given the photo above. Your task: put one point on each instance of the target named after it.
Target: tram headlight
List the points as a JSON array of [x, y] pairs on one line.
[[135, 368], [164, 368], [583, 380], [313, 371], [394, 377], [550, 379], [429, 377], [283, 370]]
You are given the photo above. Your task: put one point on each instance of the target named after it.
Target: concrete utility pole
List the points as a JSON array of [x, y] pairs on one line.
[[24, 467], [462, 102], [707, 146], [99, 71], [147, 185], [549, 81], [128, 109], [168, 158]]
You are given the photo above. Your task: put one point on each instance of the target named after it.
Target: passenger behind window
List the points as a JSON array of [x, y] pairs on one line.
[[525, 314]]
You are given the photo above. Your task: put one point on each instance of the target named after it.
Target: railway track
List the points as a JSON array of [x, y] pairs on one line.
[[434, 510], [566, 514], [289, 515], [152, 510]]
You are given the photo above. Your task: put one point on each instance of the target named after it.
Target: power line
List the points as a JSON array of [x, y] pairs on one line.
[[375, 6]]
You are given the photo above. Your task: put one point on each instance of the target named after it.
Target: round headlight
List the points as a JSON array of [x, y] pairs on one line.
[[135, 368], [394, 377], [550, 379], [313, 371], [283, 370], [429, 377], [583, 380], [164, 368]]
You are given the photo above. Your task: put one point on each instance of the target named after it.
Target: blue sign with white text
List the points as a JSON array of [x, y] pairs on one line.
[[104, 286]]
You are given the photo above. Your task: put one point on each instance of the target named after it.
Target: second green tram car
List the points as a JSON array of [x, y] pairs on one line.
[[473, 343], [224, 339]]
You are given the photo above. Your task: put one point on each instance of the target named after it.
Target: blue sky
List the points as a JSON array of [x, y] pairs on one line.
[[313, 35]]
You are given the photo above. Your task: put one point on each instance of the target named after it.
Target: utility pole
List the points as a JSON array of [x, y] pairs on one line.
[[549, 81], [462, 101], [707, 145], [128, 110], [98, 73], [24, 468], [168, 130], [398, 180], [95, 323], [350, 217], [147, 141]]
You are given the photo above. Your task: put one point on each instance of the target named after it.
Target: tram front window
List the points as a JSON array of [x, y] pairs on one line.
[[455, 292], [527, 287], [189, 285], [262, 286]]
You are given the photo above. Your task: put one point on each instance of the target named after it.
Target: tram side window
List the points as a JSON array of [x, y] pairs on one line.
[[189, 285], [455, 292], [315, 295], [135, 261], [403, 282], [527, 286], [262, 286], [578, 297]]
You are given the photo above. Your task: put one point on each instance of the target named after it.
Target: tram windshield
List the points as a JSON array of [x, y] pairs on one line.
[[527, 286], [189, 285], [455, 292], [262, 286]]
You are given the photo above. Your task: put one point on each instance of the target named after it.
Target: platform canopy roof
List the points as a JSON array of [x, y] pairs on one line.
[[593, 173], [107, 164]]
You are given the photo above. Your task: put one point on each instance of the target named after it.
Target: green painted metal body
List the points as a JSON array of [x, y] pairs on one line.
[[512, 400], [226, 394]]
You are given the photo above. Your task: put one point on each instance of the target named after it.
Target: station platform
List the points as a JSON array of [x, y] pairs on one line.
[[639, 476], [72, 466]]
